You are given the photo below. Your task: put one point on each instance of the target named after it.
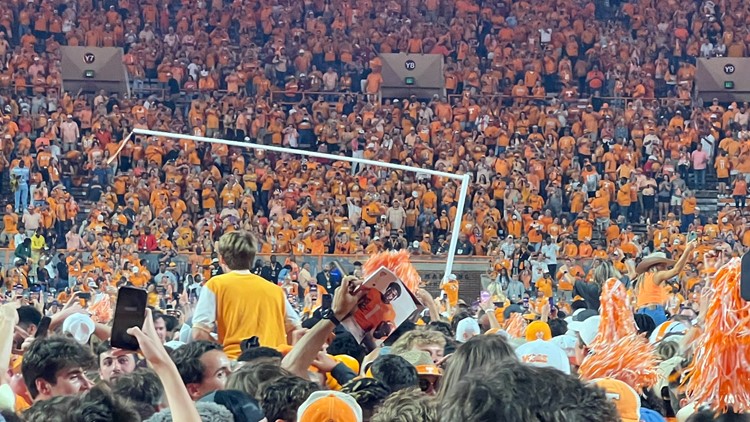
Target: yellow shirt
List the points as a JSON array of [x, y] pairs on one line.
[[242, 305], [38, 242]]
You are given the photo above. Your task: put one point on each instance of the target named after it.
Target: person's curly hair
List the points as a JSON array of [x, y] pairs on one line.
[[516, 392], [281, 398], [406, 406], [368, 392]]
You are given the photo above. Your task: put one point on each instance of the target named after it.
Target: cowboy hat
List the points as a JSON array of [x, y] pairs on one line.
[[656, 258]]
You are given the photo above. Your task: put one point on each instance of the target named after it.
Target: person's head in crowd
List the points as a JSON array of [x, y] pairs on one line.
[[345, 344], [28, 320], [394, 372], [330, 406], [430, 341], [585, 332], [260, 354], [96, 405], [203, 367], [114, 362], [249, 378], [479, 352], [645, 324], [396, 334], [281, 397], [243, 407], [237, 250], [513, 391], [56, 366], [143, 388], [208, 412], [558, 327], [407, 405], [160, 325], [368, 392], [466, 329]]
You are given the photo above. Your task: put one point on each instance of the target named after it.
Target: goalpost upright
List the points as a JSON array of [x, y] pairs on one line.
[[464, 178]]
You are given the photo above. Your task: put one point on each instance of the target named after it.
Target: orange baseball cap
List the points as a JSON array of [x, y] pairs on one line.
[[626, 400], [329, 406], [538, 330]]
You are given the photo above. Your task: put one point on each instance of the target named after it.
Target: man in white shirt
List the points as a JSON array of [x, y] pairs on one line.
[[69, 133], [549, 251]]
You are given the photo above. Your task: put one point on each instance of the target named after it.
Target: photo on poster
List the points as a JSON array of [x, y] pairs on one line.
[[385, 306]]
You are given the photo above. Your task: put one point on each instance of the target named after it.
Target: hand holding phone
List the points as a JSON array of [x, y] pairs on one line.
[[129, 312]]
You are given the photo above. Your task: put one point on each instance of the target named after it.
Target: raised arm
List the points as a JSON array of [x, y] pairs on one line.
[[306, 350], [661, 276]]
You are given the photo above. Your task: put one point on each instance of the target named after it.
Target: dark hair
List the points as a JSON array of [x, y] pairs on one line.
[[346, 344], [97, 405], [102, 347], [243, 407], [281, 398], [368, 392], [188, 360], [143, 388], [558, 327], [28, 316], [645, 324], [711, 416], [50, 355], [513, 391], [578, 304], [9, 416], [55, 409], [170, 322], [255, 353], [402, 329], [100, 405], [395, 372], [442, 327]]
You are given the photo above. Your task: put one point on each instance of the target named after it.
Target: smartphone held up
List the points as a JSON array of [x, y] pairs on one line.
[[130, 312]]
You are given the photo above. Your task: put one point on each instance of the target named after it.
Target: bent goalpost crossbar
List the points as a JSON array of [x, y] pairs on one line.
[[464, 178]]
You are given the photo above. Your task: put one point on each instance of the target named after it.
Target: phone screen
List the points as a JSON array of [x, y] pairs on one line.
[[692, 236], [129, 312], [326, 301], [43, 327], [526, 303]]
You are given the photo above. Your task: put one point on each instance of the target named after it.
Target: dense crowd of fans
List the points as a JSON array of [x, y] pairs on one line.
[[575, 120]]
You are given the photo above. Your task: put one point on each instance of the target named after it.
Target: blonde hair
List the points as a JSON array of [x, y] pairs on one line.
[[605, 271], [416, 338], [407, 405], [238, 249]]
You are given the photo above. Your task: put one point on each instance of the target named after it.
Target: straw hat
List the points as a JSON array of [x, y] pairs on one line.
[[656, 258]]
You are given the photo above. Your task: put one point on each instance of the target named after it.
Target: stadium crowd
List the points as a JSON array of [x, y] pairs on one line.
[[575, 120]]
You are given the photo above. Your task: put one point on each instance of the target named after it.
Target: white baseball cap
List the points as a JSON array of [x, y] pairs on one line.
[[80, 327], [544, 354], [587, 329], [466, 329]]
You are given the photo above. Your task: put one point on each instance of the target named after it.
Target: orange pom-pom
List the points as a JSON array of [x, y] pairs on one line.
[[720, 372], [630, 359], [618, 351], [516, 325], [398, 263], [617, 318], [101, 310]]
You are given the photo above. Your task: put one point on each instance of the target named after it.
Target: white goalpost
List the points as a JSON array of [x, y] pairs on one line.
[[464, 178]]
